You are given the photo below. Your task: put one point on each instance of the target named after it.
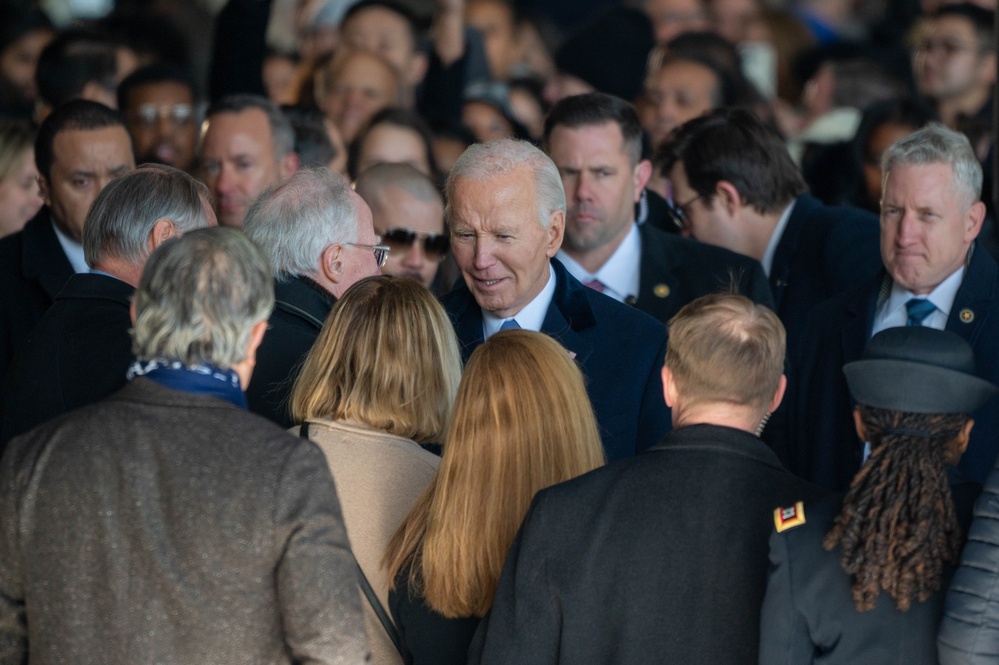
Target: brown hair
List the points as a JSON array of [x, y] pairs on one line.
[[387, 357], [725, 348], [522, 422]]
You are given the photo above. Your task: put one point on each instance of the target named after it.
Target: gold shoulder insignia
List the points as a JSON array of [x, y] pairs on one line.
[[788, 518]]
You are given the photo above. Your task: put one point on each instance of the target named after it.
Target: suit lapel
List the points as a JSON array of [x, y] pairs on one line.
[[659, 261], [971, 304], [43, 258], [569, 313]]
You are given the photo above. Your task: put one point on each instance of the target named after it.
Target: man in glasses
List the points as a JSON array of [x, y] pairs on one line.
[[161, 113], [408, 214], [595, 141], [954, 61], [735, 186], [318, 236]]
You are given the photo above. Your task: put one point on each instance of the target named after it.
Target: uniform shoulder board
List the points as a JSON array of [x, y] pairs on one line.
[[788, 518]]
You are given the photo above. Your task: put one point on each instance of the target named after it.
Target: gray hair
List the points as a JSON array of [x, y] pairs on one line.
[[200, 296], [935, 144], [123, 214], [482, 161], [295, 220], [282, 132]]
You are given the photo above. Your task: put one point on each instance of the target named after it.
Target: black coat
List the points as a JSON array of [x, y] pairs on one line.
[[820, 410], [657, 559], [299, 313], [33, 270], [78, 354], [809, 615], [619, 349], [676, 270]]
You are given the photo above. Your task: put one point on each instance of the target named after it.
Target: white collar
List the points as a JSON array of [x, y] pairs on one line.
[[768, 256], [619, 274], [893, 312], [72, 249], [530, 316]]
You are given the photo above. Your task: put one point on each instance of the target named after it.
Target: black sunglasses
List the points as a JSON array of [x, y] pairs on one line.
[[435, 245]]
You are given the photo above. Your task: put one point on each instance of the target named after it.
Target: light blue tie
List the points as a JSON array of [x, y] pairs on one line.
[[919, 309], [510, 324]]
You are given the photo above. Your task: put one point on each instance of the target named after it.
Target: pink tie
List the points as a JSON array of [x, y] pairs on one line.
[[596, 285]]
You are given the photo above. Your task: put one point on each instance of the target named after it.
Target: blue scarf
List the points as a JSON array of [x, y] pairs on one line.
[[198, 379]]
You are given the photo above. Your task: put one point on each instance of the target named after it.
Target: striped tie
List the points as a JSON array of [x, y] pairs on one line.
[[596, 285]]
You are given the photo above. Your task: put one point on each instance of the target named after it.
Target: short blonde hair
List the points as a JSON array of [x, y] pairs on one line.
[[522, 422], [17, 143], [387, 357], [726, 348]]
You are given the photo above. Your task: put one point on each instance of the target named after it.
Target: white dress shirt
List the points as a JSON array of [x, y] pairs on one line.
[[619, 274], [530, 316]]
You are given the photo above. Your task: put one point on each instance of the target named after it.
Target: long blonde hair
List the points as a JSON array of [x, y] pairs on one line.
[[522, 422], [387, 357]]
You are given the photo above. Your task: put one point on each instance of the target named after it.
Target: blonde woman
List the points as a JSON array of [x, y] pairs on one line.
[[379, 381], [19, 197], [522, 422]]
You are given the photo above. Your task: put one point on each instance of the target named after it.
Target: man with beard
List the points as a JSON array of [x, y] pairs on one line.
[[161, 113], [23, 35]]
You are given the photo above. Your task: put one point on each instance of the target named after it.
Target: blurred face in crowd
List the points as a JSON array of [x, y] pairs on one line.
[[18, 63], [19, 197], [672, 17], [162, 119], [498, 243], [927, 225], [495, 20], [382, 31], [679, 91], [601, 184], [414, 230], [238, 161], [881, 139], [356, 88], [84, 162], [485, 121], [948, 60], [391, 144]]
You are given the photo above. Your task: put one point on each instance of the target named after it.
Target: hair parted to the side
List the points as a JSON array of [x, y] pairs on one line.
[[725, 348], [294, 220], [522, 421], [732, 144], [387, 357], [123, 214], [200, 296], [936, 144], [597, 108], [898, 528], [482, 161], [282, 133]]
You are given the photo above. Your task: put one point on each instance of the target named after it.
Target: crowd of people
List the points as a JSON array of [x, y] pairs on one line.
[[494, 331]]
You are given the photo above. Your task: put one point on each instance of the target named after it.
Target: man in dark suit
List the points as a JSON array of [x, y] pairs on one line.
[[661, 558], [80, 350], [506, 212], [935, 274], [166, 524], [595, 141], [735, 186], [318, 235], [80, 148]]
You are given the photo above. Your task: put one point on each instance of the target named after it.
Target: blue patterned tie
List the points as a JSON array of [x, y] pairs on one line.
[[919, 309], [510, 324]]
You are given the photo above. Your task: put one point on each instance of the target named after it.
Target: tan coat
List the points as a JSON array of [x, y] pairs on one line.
[[378, 477]]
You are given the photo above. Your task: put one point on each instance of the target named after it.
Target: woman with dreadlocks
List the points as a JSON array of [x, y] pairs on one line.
[[860, 578]]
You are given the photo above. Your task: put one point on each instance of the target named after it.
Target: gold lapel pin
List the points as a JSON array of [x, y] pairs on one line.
[[661, 290], [967, 316]]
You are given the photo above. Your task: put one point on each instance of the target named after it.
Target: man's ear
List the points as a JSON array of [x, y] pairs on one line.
[[779, 395], [331, 262], [727, 196], [643, 171], [670, 391], [163, 229], [44, 190], [288, 165], [973, 221], [554, 232]]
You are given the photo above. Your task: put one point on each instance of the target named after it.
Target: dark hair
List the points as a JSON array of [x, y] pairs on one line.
[[312, 143], [733, 145], [707, 46], [983, 21], [397, 117], [76, 115], [398, 8], [282, 133], [16, 22], [898, 527], [725, 90], [71, 61], [158, 72], [597, 108]]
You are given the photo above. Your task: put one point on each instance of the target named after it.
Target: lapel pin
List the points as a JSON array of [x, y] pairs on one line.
[[661, 290], [967, 316]]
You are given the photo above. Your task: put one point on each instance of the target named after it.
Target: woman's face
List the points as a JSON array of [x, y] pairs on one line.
[[392, 144], [19, 198]]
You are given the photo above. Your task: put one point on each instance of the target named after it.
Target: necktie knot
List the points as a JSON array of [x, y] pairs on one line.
[[510, 324], [596, 285], [919, 309]]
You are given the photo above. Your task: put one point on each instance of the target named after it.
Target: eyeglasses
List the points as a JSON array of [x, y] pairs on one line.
[[435, 245], [147, 114], [381, 251], [678, 212]]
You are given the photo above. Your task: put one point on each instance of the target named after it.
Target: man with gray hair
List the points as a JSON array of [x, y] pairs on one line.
[[80, 350], [318, 236], [165, 524], [935, 274], [248, 144], [506, 211], [408, 214]]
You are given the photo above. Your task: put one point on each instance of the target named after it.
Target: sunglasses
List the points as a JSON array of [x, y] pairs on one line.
[[435, 245], [148, 114]]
